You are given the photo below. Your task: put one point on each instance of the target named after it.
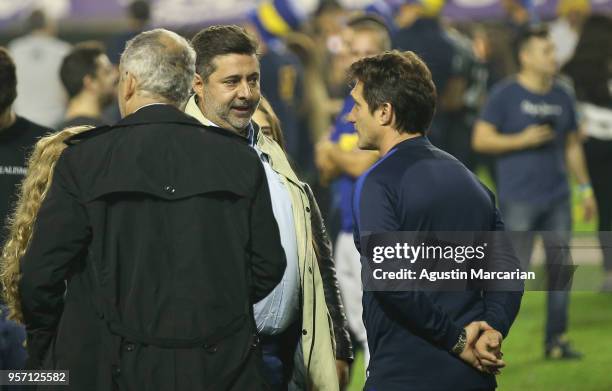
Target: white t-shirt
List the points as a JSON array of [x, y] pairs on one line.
[[41, 97], [565, 39], [597, 120]]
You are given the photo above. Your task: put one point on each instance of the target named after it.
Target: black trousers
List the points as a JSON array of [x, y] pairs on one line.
[[598, 155], [278, 353]]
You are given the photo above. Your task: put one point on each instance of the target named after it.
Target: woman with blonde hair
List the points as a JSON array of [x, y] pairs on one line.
[[30, 196], [268, 122]]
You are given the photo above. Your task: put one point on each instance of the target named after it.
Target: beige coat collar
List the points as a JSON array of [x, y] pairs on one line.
[[193, 110], [278, 159]]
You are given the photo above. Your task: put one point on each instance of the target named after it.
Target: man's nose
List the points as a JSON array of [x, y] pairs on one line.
[[244, 90], [350, 117]]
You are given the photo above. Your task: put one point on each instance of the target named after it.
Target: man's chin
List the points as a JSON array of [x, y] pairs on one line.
[[240, 124], [365, 146]]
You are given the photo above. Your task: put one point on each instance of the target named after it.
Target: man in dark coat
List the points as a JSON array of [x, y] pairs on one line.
[[154, 241]]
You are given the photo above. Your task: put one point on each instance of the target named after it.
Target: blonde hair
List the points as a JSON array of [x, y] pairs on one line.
[[275, 126], [31, 193]]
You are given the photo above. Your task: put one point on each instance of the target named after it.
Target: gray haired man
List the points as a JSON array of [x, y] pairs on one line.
[[155, 239]]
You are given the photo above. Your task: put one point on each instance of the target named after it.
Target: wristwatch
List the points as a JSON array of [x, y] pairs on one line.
[[460, 345]]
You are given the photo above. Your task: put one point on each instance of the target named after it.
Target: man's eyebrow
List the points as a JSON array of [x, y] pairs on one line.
[[238, 76]]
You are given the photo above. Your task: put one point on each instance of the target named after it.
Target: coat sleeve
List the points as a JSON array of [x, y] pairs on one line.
[[414, 309], [502, 306], [61, 233], [323, 248], [267, 257]]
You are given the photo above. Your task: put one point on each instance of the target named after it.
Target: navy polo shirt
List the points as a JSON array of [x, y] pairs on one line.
[[418, 187], [535, 175]]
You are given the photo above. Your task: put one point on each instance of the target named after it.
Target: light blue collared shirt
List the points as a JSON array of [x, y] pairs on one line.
[[277, 311]]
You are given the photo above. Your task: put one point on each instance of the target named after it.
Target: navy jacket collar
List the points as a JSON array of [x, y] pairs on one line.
[[412, 142]]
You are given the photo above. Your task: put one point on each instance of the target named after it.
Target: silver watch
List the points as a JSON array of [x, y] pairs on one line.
[[461, 342]]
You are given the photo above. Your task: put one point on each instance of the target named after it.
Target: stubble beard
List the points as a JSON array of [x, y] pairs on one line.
[[224, 113]]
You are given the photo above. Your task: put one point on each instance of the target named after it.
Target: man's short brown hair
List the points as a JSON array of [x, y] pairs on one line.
[[78, 63], [402, 80], [524, 37], [217, 41]]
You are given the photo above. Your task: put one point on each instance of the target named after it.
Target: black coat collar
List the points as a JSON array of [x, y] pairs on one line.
[[165, 113], [157, 113]]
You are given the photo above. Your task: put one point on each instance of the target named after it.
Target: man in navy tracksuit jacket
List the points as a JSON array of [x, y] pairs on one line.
[[421, 340]]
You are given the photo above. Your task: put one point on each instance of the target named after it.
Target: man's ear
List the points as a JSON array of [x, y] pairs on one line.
[[198, 85], [523, 54], [88, 82], [385, 114], [130, 86]]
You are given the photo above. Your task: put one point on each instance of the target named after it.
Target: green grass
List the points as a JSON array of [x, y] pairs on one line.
[[357, 374], [590, 332]]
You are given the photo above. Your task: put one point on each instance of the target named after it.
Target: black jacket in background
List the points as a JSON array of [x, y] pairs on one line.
[[16, 144], [164, 231]]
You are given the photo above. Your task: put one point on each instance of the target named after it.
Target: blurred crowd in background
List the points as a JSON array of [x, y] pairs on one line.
[[68, 77], [305, 52]]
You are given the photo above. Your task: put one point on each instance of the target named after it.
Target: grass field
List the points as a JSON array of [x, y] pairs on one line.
[[590, 331]]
